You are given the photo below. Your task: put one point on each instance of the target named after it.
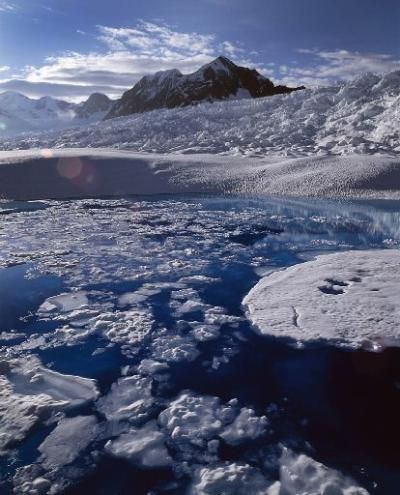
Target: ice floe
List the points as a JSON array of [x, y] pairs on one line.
[[67, 440], [199, 422], [142, 446], [129, 399], [229, 479], [348, 298], [302, 475], [31, 394]]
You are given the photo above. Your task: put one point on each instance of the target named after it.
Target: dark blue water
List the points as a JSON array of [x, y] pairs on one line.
[[342, 407]]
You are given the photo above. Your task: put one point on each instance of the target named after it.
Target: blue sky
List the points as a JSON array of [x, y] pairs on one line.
[[71, 48]]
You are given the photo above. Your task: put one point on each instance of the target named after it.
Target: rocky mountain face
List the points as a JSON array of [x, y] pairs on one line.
[[218, 80], [94, 108]]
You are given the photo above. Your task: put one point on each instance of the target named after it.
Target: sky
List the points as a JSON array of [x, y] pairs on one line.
[[71, 48]]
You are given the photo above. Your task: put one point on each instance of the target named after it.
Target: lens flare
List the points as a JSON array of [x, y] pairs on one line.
[[70, 168], [80, 172], [46, 153]]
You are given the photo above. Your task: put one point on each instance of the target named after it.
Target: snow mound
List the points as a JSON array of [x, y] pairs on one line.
[[349, 298], [360, 116]]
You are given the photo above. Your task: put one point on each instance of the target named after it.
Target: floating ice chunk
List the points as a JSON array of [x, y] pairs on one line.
[[129, 399], [19, 413], [141, 295], [229, 479], [197, 420], [143, 446], [246, 426], [301, 475], [349, 298], [124, 327], [151, 367], [194, 419], [70, 437], [203, 333], [30, 394], [174, 348], [64, 303]]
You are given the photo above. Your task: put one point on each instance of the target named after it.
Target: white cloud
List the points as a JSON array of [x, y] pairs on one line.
[[7, 7], [129, 54], [328, 66], [4, 68]]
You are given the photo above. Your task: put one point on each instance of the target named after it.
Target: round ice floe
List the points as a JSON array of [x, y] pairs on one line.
[[64, 302], [348, 298]]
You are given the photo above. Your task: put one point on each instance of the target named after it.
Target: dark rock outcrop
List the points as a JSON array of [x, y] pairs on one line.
[[218, 80]]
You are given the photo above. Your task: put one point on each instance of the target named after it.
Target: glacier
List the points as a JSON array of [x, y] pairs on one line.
[[360, 116]]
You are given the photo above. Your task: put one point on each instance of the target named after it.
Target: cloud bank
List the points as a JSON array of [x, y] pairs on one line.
[[128, 53]]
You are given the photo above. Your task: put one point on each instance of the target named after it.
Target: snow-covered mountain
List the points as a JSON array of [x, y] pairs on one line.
[[361, 116], [18, 113], [217, 80]]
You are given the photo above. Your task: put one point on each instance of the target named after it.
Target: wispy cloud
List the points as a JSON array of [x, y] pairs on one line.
[[325, 67], [129, 53], [8, 7], [4, 68]]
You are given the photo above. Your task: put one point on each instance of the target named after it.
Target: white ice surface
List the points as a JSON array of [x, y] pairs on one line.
[[67, 440], [349, 298], [199, 422], [143, 446], [64, 302], [129, 399], [30, 394], [301, 475], [229, 479]]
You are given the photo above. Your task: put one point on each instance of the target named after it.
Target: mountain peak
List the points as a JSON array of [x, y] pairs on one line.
[[218, 80]]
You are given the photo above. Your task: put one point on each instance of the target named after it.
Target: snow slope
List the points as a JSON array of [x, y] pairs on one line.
[[68, 173], [348, 298], [362, 116]]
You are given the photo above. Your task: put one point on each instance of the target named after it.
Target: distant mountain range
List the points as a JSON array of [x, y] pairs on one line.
[[218, 80], [18, 113]]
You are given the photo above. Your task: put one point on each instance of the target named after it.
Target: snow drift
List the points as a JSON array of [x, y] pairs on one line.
[[77, 173]]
